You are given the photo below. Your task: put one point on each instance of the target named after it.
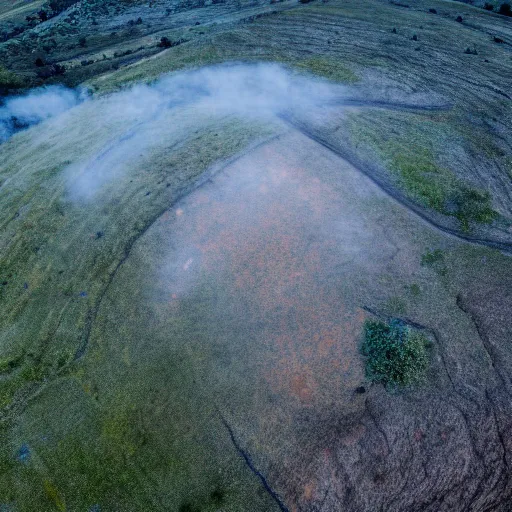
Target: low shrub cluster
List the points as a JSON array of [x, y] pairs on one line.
[[395, 353]]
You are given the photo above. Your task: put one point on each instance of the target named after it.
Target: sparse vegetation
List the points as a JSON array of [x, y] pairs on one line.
[[132, 23], [395, 353]]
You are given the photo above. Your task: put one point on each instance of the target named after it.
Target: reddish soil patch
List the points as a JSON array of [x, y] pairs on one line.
[[260, 236]]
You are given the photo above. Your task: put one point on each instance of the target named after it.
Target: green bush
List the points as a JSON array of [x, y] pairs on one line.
[[395, 354]]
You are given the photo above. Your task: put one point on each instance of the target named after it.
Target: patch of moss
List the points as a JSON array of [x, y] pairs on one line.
[[6, 462], [395, 354], [88, 474]]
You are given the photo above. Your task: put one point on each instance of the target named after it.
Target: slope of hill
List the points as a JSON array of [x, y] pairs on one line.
[[190, 253]]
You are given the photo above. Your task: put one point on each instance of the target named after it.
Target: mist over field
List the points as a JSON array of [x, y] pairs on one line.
[[36, 106], [258, 92]]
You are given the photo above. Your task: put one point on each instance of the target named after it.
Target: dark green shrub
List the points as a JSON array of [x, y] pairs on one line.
[[395, 354], [505, 9], [488, 6]]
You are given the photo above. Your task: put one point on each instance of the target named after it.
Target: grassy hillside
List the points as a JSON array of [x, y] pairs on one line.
[[130, 380]]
